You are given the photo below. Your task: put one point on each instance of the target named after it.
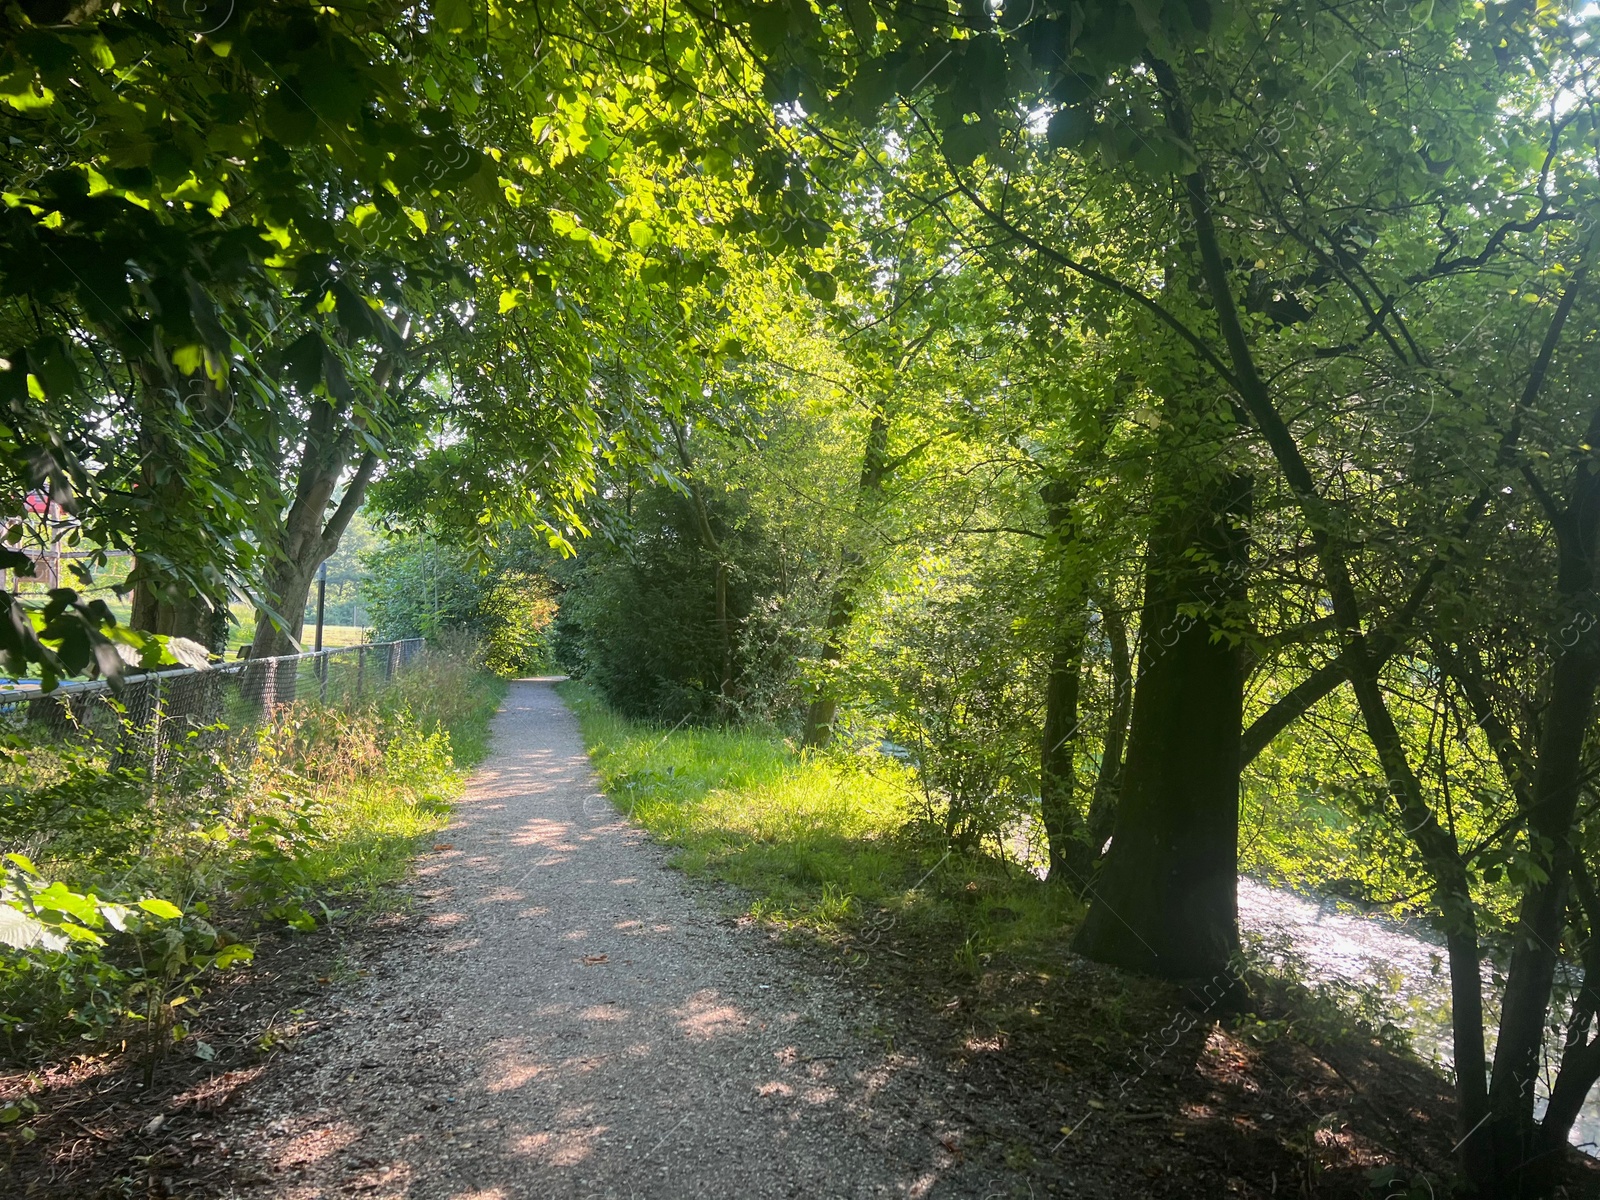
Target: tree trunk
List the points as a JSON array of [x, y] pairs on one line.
[[818, 727], [180, 613], [1165, 900], [875, 468], [1518, 1144], [1108, 781], [309, 535], [1067, 835], [1071, 855], [724, 630], [1580, 1058], [168, 606]]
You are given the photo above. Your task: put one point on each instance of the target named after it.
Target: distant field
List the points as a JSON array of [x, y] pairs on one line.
[[332, 635], [244, 626], [335, 635]]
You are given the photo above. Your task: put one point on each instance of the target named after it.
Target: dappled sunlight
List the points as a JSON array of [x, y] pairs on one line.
[[511, 1068], [501, 895], [536, 1075], [707, 1016], [540, 831], [559, 1148], [317, 1143]]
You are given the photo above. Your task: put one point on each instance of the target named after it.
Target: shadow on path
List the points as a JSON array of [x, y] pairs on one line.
[[570, 1020]]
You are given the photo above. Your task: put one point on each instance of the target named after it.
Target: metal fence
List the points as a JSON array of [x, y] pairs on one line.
[[138, 722]]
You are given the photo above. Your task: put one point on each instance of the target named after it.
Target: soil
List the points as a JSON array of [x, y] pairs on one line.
[[557, 1014]]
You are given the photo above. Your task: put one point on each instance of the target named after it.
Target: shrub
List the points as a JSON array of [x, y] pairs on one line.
[[638, 618], [943, 680], [419, 588]]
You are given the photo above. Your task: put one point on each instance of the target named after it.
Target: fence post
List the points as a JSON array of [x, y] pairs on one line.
[[323, 658], [157, 734], [394, 654], [361, 669]]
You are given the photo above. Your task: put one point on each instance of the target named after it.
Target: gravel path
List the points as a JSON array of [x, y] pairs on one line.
[[576, 1020]]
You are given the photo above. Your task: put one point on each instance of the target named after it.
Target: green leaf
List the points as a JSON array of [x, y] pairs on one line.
[[157, 907], [1068, 128], [453, 16], [60, 898], [963, 143], [822, 285]]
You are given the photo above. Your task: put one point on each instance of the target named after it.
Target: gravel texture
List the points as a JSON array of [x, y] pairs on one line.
[[573, 1019]]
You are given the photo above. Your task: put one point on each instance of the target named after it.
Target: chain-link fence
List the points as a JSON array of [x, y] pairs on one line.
[[139, 721]]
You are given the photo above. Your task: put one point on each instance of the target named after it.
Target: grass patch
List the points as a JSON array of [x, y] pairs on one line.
[[127, 886], [371, 823], [821, 843]]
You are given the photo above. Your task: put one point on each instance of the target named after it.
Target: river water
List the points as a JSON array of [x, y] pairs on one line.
[[1332, 942]]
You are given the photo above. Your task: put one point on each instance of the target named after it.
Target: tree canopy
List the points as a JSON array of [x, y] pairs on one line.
[[1128, 412]]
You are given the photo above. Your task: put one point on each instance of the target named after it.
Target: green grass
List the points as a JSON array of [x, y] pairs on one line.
[[822, 844], [282, 825], [371, 827]]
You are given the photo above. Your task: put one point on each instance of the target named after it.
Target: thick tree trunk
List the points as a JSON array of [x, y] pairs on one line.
[[309, 534], [181, 614], [1580, 1058], [167, 606], [1165, 900], [1519, 1146]]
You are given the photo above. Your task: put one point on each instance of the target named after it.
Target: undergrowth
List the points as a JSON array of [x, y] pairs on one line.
[[836, 846], [820, 843], [121, 889]]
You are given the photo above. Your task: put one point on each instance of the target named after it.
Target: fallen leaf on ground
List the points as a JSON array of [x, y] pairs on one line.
[[444, 845], [590, 960]]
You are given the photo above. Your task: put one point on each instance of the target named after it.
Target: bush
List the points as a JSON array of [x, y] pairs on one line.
[[944, 681], [638, 618], [418, 588]]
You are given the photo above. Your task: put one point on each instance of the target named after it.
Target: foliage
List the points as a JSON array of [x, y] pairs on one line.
[[416, 587], [140, 875], [946, 680], [639, 617], [821, 844]]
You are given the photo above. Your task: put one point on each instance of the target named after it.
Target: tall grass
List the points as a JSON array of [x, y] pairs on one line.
[[820, 843], [292, 824]]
